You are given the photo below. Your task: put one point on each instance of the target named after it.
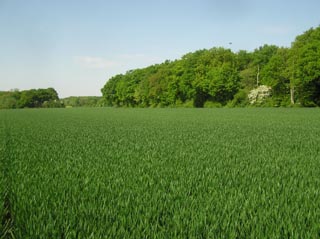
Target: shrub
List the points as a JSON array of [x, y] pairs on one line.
[[210, 104]]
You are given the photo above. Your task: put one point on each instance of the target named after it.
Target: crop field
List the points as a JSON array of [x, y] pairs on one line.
[[160, 173]]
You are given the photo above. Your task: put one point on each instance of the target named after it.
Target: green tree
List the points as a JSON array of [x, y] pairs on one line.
[[223, 83], [38, 98], [9, 99], [305, 62], [109, 91], [277, 75], [261, 57]]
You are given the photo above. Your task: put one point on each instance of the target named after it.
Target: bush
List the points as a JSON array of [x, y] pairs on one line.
[[52, 104], [239, 99], [259, 95], [188, 104], [308, 104], [210, 104]]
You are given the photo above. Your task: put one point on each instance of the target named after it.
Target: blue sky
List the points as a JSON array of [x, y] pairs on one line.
[[75, 46]]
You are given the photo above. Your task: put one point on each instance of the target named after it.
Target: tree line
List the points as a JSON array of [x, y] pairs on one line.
[[83, 101], [219, 77], [33, 98], [44, 98]]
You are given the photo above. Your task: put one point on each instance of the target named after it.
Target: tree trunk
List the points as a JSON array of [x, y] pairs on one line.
[[258, 75], [292, 95]]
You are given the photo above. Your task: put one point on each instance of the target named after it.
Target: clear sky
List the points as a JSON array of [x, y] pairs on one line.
[[75, 46]]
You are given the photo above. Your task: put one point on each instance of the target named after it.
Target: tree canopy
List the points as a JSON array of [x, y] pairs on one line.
[[34, 98], [218, 76]]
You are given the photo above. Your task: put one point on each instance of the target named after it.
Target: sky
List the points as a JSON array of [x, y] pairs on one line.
[[75, 46]]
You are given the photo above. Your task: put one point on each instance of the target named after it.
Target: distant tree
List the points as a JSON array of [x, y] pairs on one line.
[[83, 101], [29, 98]]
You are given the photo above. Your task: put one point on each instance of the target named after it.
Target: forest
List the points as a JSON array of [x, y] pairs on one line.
[[33, 98], [269, 76]]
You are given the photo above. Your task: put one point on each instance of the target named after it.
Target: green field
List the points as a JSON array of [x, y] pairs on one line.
[[160, 173]]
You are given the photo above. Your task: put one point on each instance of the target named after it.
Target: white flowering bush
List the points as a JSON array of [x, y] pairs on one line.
[[259, 94]]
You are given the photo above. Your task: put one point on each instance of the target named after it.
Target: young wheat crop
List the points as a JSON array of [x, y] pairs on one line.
[[161, 173]]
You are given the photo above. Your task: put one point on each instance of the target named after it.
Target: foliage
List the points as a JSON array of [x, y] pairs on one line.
[[306, 67], [34, 98], [83, 101], [240, 99], [162, 173], [198, 77], [9, 100], [210, 104], [218, 74], [276, 74]]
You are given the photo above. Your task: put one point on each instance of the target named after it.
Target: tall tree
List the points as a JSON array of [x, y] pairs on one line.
[[261, 57], [277, 74], [305, 62]]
